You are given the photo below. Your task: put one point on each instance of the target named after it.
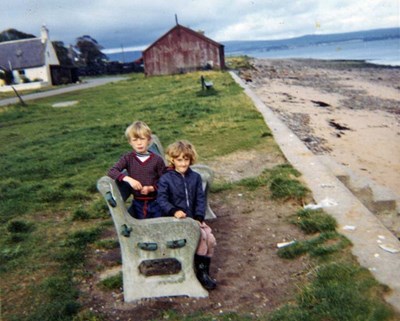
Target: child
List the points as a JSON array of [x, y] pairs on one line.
[[180, 194], [138, 172]]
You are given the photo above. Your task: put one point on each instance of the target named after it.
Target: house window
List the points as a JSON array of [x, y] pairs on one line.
[[21, 72]]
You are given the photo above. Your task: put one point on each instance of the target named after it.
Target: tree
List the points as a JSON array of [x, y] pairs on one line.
[[90, 51], [62, 54], [13, 34]]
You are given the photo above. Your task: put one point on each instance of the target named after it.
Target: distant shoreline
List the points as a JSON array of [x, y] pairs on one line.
[[345, 63]]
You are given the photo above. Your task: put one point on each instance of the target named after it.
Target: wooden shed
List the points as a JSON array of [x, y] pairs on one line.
[[182, 50]]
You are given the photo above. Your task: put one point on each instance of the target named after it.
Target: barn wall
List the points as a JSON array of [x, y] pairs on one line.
[[181, 51]]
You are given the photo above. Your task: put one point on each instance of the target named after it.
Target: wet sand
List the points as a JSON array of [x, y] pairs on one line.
[[347, 109]]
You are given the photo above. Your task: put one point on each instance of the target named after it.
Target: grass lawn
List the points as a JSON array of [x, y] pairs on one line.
[[52, 157]]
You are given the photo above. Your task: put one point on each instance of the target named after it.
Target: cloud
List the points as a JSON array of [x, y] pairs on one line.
[[139, 23]]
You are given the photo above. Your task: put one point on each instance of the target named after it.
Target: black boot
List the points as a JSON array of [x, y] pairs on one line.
[[202, 265]]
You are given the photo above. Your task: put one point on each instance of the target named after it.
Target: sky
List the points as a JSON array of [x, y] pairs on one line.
[[135, 24]]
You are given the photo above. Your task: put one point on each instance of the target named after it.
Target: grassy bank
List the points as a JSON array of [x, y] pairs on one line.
[[52, 158]]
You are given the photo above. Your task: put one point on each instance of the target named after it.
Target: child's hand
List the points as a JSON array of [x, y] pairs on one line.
[[133, 182], [180, 214], [146, 190]]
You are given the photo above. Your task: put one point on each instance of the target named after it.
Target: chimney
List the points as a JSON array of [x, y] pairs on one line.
[[44, 34]]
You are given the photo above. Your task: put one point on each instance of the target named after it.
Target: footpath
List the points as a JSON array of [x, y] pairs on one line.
[[374, 246], [89, 83]]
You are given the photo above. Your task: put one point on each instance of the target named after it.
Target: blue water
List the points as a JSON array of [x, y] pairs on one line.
[[381, 46], [383, 52], [126, 56]]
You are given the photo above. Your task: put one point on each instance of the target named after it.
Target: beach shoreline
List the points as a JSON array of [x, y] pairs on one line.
[[349, 110]]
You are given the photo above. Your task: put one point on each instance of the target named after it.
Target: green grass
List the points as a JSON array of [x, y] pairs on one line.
[[69, 148], [339, 289], [204, 316], [239, 62], [324, 244], [52, 157], [282, 183], [112, 283], [314, 221]]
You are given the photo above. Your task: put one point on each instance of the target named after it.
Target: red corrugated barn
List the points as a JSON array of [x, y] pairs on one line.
[[182, 50]]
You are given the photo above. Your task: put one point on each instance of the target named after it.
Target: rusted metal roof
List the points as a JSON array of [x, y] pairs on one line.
[[182, 50], [194, 33]]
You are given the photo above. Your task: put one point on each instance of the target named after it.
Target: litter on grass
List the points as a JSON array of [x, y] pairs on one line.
[[349, 227], [284, 244], [66, 103], [327, 202]]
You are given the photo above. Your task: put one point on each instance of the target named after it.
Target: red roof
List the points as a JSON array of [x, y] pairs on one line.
[[196, 34]]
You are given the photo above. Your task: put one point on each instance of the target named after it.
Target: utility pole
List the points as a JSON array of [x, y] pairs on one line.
[[123, 53], [15, 91], [19, 97]]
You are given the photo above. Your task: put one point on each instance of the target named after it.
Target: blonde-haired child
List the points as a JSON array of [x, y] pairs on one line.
[[138, 172], [180, 194]]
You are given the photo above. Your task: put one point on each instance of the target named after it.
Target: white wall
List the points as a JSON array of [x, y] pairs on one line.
[[38, 73]]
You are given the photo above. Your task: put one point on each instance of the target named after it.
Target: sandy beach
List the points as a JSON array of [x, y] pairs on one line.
[[346, 109]]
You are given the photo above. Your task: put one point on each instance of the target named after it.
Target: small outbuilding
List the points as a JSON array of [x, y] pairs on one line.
[[182, 50]]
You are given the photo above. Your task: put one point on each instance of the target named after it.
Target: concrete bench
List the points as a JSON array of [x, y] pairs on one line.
[[157, 254], [149, 245], [205, 84]]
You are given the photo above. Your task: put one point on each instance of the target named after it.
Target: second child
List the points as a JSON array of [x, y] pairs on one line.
[[180, 194]]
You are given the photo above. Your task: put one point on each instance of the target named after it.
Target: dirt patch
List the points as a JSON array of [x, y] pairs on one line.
[[242, 164], [252, 279]]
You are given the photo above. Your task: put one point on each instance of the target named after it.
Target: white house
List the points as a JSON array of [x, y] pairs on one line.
[[29, 59]]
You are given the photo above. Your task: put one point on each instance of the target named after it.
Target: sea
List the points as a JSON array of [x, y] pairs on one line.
[[380, 46]]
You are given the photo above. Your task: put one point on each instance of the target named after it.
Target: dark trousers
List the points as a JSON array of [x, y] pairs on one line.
[[139, 209]]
